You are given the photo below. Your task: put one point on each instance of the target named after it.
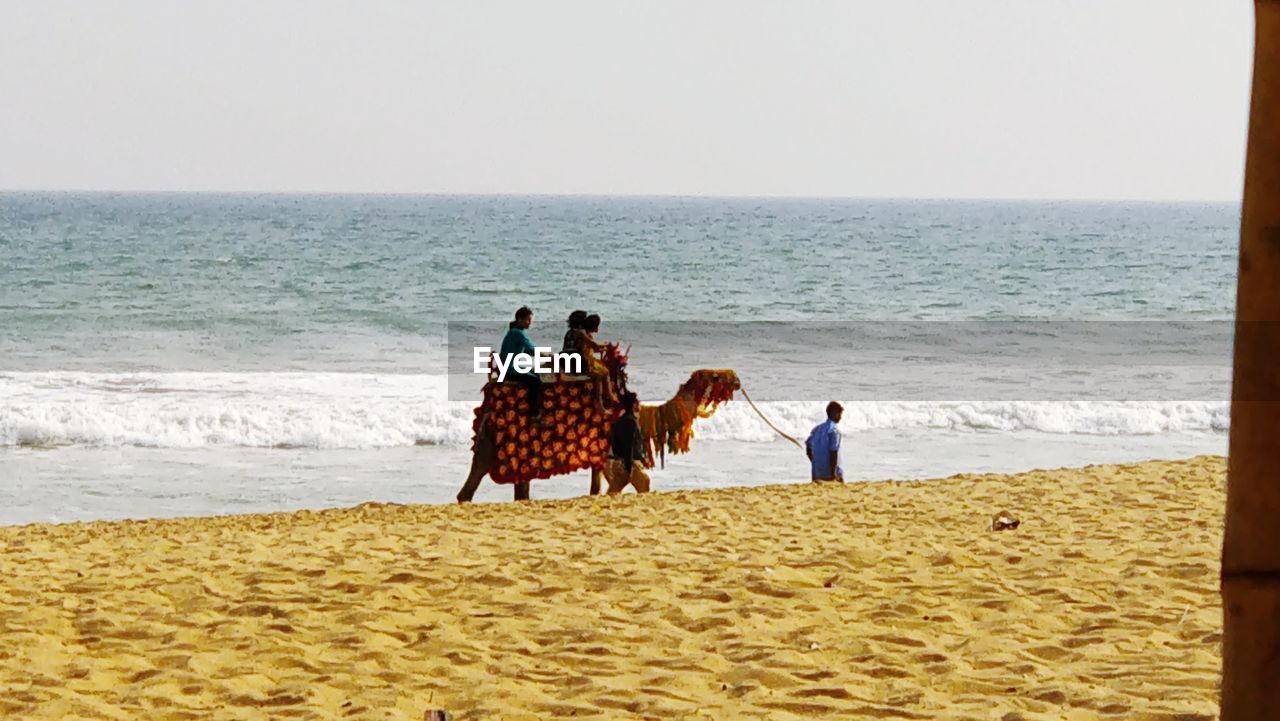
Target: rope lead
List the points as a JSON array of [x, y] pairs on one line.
[[766, 420]]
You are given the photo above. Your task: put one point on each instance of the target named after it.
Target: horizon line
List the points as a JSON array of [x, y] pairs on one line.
[[637, 196]]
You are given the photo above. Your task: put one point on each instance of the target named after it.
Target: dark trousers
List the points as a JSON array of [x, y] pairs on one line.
[[533, 384]]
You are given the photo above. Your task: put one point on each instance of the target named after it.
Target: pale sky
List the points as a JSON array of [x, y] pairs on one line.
[[1123, 99]]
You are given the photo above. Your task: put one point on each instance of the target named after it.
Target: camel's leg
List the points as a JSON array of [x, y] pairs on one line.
[[595, 481], [481, 461], [474, 477], [522, 491]]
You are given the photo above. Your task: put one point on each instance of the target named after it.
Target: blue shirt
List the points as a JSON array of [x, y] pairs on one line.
[[516, 341], [824, 439]]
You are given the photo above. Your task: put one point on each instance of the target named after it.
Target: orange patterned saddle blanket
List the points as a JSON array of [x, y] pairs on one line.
[[575, 435]]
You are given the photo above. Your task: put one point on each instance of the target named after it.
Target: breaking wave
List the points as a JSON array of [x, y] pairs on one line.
[[349, 410]]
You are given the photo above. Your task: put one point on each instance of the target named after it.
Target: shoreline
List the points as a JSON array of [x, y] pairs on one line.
[[584, 497], [889, 598], [91, 484]]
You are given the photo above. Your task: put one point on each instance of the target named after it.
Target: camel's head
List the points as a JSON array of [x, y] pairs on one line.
[[723, 376], [669, 427], [709, 388]]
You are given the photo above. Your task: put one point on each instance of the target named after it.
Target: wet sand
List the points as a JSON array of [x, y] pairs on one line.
[[888, 599]]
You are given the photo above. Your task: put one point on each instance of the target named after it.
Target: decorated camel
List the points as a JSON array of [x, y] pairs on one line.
[[511, 449]]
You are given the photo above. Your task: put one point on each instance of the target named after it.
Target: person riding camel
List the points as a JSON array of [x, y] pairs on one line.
[[593, 354], [517, 342], [574, 337]]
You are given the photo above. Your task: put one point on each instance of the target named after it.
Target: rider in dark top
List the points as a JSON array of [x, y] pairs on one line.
[[575, 336]]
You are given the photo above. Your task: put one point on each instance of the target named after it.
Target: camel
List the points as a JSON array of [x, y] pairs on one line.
[[506, 447]]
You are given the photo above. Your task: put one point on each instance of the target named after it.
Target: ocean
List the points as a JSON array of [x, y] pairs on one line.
[[195, 354]]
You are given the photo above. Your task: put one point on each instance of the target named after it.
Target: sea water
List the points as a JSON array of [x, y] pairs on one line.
[[184, 354]]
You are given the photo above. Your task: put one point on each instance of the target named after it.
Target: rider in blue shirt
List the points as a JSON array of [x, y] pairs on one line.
[[515, 342]]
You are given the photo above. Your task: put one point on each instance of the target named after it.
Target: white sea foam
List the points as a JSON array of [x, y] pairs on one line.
[[351, 410], [188, 410], [1096, 418]]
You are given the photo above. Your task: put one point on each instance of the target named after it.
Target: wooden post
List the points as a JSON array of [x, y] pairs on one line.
[[1251, 547]]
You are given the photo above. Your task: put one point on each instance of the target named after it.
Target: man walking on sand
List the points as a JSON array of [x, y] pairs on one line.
[[823, 447], [626, 450]]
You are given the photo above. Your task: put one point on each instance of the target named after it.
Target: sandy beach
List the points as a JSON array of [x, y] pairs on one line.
[[864, 600]]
